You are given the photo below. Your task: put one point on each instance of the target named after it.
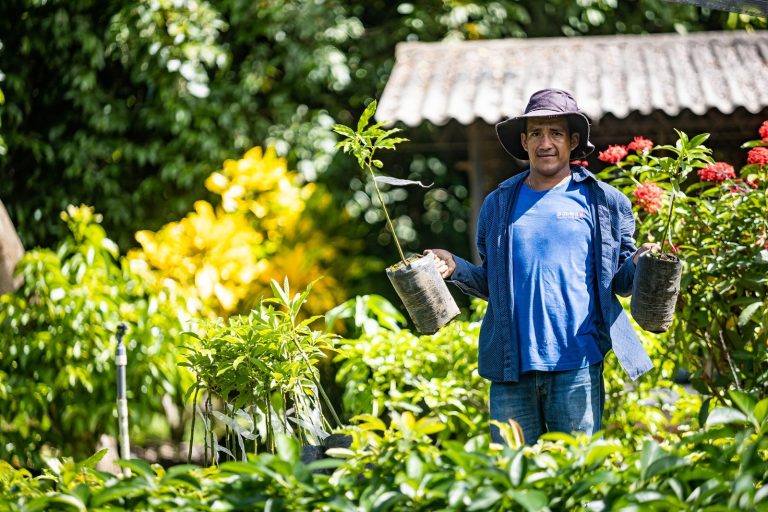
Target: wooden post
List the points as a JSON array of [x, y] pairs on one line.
[[11, 252], [489, 165]]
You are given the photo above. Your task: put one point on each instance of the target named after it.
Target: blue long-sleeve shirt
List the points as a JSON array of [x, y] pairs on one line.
[[499, 348]]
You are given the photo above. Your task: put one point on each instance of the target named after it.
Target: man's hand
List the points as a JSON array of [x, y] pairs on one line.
[[646, 247], [443, 261]]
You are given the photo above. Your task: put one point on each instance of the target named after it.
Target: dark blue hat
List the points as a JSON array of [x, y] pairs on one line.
[[546, 103]]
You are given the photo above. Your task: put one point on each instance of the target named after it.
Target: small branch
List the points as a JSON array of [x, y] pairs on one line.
[[730, 361]]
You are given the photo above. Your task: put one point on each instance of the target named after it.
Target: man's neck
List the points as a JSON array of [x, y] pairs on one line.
[[542, 182]]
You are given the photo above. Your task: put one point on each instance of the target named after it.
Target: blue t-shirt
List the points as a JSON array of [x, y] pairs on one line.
[[553, 272]]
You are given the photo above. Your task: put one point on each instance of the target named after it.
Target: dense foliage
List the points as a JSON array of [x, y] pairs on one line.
[[57, 373], [262, 368], [129, 105], [720, 231], [387, 372], [400, 467], [267, 225]]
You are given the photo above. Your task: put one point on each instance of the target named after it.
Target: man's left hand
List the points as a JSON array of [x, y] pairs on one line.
[[646, 247]]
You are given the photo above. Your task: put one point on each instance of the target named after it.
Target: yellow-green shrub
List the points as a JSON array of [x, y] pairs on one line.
[[267, 226]]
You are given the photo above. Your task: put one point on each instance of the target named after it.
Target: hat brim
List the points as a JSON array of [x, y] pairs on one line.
[[509, 130]]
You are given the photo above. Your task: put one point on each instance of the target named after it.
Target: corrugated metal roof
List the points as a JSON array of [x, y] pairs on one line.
[[492, 80]]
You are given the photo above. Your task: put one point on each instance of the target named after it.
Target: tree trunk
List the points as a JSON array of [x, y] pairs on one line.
[[11, 252]]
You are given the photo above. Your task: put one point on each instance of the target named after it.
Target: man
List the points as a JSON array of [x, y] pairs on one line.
[[556, 247]]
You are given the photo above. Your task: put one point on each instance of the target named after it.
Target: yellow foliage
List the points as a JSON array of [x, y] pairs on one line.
[[224, 257]]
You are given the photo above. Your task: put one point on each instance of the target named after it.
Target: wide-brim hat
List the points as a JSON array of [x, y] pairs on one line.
[[546, 103]]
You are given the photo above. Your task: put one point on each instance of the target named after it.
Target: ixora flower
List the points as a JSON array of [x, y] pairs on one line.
[[640, 145], [718, 172], [758, 156], [613, 155], [657, 172], [763, 131], [649, 196]]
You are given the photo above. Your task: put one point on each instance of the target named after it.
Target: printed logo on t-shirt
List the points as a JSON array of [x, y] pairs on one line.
[[571, 215]]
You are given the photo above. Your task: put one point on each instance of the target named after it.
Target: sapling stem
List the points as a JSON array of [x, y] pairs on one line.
[[386, 213], [317, 382], [192, 430], [667, 234]]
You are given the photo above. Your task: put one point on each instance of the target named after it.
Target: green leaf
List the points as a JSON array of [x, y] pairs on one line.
[[343, 130], [530, 499], [386, 500], [366, 116], [665, 465], [698, 140], [287, 448], [761, 410], [748, 312], [485, 499], [518, 468], [94, 459], [139, 467], [744, 401], [651, 452], [726, 415], [237, 362], [754, 144], [123, 489]]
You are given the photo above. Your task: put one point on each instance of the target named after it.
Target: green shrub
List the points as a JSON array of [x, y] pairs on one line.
[[401, 468], [57, 373], [721, 233], [262, 367], [386, 371]]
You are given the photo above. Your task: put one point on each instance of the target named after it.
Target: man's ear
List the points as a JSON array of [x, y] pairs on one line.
[[575, 138], [524, 140]]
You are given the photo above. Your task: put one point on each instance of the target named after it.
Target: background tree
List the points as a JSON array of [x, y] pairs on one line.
[[129, 105]]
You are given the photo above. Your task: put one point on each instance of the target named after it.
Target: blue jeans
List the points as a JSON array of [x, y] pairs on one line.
[[562, 401]]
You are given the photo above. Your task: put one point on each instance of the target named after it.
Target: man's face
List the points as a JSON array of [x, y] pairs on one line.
[[549, 144]]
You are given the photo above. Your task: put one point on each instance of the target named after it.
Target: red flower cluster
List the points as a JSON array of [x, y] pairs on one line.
[[758, 156], [718, 172], [613, 154], [582, 163], [763, 131], [640, 145], [649, 196]]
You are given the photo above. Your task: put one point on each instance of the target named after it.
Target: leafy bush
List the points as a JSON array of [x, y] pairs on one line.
[[57, 375], [654, 405], [262, 366], [268, 226], [388, 372], [400, 467], [721, 327]]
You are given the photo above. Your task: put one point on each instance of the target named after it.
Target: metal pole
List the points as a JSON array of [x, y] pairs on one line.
[[121, 361]]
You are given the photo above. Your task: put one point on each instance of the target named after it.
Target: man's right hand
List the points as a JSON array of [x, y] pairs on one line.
[[443, 261]]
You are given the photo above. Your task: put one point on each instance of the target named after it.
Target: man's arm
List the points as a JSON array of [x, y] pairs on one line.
[[470, 279]]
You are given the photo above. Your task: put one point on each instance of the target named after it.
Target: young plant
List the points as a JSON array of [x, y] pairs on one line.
[[655, 176], [363, 144], [262, 366]]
